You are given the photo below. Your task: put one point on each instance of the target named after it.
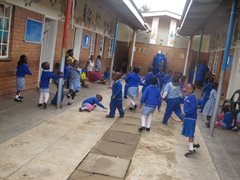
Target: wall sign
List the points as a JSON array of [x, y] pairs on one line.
[[229, 62], [33, 31], [86, 41]]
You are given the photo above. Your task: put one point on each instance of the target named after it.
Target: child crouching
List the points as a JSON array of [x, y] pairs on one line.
[[151, 99], [89, 104]]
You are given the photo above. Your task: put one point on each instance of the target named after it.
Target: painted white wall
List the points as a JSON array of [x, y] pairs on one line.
[[163, 31], [124, 33], [143, 37], [171, 33], [154, 32], [205, 43], [234, 82]]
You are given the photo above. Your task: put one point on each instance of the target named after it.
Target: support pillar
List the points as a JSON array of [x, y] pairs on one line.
[[187, 56], [134, 35]]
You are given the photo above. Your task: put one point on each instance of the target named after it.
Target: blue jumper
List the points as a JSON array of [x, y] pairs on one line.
[[93, 101], [75, 78], [159, 61], [133, 80], [190, 115], [147, 80], [22, 70], [45, 78], [227, 120], [106, 75], [116, 99], [206, 90], [151, 97], [173, 102], [201, 71]]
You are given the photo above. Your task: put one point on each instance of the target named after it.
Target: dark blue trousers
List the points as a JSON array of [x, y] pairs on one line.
[[116, 104], [54, 100], [173, 105], [126, 90]]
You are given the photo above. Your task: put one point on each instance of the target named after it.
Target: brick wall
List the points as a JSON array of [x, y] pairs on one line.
[[18, 47], [122, 51]]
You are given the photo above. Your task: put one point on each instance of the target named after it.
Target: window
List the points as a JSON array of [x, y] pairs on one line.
[[101, 47], [5, 22], [92, 45], [110, 47], [215, 63], [210, 62]]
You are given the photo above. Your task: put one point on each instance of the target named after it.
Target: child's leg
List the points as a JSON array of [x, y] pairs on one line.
[[143, 118], [168, 112], [191, 144], [149, 120], [112, 108], [119, 107], [178, 112], [41, 98]]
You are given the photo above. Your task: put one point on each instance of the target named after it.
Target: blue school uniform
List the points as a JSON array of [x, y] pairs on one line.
[[201, 71], [93, 101], [159, 61], [45, 79], [227, 120], [147, 80], [106, 75], [98, 65], [206, 90], [133, 80], [116, 99], [151, 99], [173, 102], [75, 78], [22, 70], [190, 115]]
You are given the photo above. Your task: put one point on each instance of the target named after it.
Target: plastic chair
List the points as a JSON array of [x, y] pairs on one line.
[[233, 102]]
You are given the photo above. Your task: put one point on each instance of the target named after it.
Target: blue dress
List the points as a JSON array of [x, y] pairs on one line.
[[190, 115], [75, 78]]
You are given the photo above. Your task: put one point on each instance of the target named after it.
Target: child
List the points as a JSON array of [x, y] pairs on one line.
[[133, 80], [227, 118], [44, 84], [90, 103], [237, 121], [173, 95], [74, 82], [147, 78], [22, 70], [151, 99], [190, 118], [106, 74], [69, 56], [98, 64], [126, 83], [209, 106], [206, 93], [116, 98]]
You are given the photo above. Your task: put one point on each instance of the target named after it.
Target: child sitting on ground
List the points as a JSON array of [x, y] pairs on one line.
[[106, 74], [237, 121], [44, 84], [89, 104], [227, 118], [151, 99], [190, 118]]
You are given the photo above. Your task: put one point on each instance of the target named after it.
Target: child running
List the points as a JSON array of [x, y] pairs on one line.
[[190, 118], [173, 95], [22, 70], [44, 84], [151, 99], [133, 80], [147, 78], [116, 98], [89, 104], [74, 82]]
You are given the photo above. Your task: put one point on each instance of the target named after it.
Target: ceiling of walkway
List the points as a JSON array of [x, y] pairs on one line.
[[209, 14]]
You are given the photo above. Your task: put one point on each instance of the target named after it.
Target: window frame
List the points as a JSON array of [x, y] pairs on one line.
[[110, 47], [8, 31], [215, 63], [93, 44], [101, 45]]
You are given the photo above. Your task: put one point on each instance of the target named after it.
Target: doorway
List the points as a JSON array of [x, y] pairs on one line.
[[77, 43], [48, 44]]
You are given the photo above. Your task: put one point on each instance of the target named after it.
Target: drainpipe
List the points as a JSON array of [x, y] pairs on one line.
[[187, 56], [134, 35], [64, 48], [224, 62], [114, 49], [198, 56]]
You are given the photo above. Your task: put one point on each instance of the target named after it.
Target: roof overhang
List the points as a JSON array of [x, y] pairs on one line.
[[207, 14], [127, 13], [162, 13]]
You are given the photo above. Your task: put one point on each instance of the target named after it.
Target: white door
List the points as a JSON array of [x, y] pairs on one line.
[[77, 43], [48, 43]]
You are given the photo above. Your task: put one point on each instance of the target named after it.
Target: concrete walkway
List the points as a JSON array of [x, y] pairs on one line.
[[62, 144]]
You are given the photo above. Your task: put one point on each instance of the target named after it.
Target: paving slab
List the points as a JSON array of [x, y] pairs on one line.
[[81, 175], [113, 149], [131, 120], [121, 137], [110, 166], [125, 128]]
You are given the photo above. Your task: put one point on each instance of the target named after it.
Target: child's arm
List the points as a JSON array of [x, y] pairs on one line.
[[144, 96], [189, 106], [27, 70], [100, 105], [140, 81], [118, 89]]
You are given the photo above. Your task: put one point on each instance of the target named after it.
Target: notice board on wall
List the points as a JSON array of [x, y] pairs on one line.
[[33, 31]]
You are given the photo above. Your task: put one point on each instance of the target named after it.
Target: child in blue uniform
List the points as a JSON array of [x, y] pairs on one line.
[[151, 99], [147, 78], [227, 119], [44, 84], [90, 103], [22, 70], [134, 81], [173, 95], [126, 83], [190, 118], [106, 74], [116, 98], [74, 82]]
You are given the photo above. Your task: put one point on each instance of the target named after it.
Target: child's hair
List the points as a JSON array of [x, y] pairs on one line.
[[22, 60], [57, 65], [107, 68], [99, 97], [225, 109], [215, 85], [70, 52], [192, 86], [117, 75], [170, 72], [154, 81], [175, 79], [45, 65], [91, 57], [136, 70], [99, 57]]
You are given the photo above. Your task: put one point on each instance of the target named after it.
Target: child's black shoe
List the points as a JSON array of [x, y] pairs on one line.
[[69, 103], [135, 107], [18, 100], [108, 116], [196, 145], [190, 152], [148, 129], [80, 109], [40, 105], [20, 97], [44, 105], [68, 95], [141, 129], [121, 116]]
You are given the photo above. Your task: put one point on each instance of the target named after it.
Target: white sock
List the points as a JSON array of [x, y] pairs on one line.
[[41, 98], [191, 146], [46, 96], [132, 101], [149, 119], [143, 117], [17, 96]]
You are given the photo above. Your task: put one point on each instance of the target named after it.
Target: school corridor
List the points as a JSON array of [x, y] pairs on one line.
[[66, 144]]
